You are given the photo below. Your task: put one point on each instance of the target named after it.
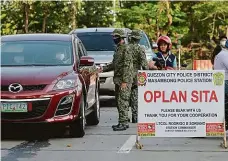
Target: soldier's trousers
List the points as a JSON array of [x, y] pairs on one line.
[[134, 101], [122, 102]]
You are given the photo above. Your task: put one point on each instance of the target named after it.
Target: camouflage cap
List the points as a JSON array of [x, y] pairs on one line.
[[136, 34], [119, 32]]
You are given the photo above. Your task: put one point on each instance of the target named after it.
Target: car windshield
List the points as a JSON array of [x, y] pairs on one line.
[[143, 41], [97, 41], [36, 53]]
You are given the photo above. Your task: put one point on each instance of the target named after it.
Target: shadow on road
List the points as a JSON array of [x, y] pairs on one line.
[[107, 101], [34, 139], [25, 150]]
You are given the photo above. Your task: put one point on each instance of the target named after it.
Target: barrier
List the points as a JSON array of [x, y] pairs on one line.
[[186, 103], [202, 65]]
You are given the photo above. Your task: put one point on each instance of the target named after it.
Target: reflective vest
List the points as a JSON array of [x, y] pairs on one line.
[[168, 60]]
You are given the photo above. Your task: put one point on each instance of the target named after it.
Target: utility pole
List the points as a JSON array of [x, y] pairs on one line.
[[226, 30], [179, 50], [114, 13]]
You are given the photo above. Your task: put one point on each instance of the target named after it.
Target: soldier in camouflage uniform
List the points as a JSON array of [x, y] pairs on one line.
[[122, 64], [139, 63]]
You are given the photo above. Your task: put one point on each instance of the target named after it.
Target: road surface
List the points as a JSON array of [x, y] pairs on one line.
[[102, 144]]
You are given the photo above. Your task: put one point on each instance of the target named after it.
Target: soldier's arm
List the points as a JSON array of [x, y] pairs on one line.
[[127, 65], [108, 67], [143, 59]]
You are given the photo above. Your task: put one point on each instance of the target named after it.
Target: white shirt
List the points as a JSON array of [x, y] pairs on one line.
[[221, 62]]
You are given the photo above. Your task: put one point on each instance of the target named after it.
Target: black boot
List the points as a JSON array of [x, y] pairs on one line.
[[113, 126], [120, 127]]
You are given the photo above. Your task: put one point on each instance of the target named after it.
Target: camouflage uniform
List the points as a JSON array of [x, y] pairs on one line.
[[122, 65], [139, 62]]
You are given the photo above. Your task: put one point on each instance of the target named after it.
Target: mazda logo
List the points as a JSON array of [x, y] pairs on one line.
[[15, 88]]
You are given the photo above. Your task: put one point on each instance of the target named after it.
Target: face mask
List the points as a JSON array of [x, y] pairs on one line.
[[60, 56], [117, 40], [222, 43]]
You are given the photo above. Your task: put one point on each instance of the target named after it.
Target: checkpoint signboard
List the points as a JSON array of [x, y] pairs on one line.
[[181, 103]]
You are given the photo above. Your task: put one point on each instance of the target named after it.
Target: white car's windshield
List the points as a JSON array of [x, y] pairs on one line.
[[143, 41], [97, 41], [36, 53]]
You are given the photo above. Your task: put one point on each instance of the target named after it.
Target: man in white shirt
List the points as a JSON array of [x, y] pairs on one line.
[[221, 63]]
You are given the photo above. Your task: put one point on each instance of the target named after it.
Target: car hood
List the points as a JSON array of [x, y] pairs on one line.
[[101, 57], [32, 75]]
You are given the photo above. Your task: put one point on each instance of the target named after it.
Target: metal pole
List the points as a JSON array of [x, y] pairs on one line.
[[114, 12], [179, 55]]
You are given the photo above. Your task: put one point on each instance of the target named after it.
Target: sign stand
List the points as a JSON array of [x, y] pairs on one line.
[[137, 143], [224, 143]]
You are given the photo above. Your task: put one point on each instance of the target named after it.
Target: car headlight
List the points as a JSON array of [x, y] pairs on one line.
[[65, 84]]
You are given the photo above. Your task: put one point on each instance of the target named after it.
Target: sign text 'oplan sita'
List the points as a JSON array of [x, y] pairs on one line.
[[180, 96]]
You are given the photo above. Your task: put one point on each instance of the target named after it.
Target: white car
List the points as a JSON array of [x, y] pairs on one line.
[[99, 44]]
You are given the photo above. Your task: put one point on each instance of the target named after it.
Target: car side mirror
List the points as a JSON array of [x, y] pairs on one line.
[[86, 61]]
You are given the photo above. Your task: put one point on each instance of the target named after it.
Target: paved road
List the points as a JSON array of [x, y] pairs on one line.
[[102, 144]]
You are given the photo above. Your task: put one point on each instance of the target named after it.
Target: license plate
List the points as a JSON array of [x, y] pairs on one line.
[[14, 107]]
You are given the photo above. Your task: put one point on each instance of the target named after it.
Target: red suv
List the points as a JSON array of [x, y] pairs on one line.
[[48, 78]]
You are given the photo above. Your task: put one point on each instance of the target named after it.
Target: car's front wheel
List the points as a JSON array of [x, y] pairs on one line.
[[77, 128]]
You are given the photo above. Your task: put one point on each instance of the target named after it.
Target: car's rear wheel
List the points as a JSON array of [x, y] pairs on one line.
[[94, 117], [77, 128]]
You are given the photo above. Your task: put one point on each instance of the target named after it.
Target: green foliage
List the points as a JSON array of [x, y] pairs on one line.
[[95, 14], [194, 21]]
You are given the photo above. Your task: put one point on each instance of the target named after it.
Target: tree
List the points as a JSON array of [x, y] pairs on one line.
[[95, 14]]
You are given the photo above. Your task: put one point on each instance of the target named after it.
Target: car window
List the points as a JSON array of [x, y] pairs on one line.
[[76, 51], [144, 41], [80, 51], [97, 41], [53, 53], [84, 50]]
